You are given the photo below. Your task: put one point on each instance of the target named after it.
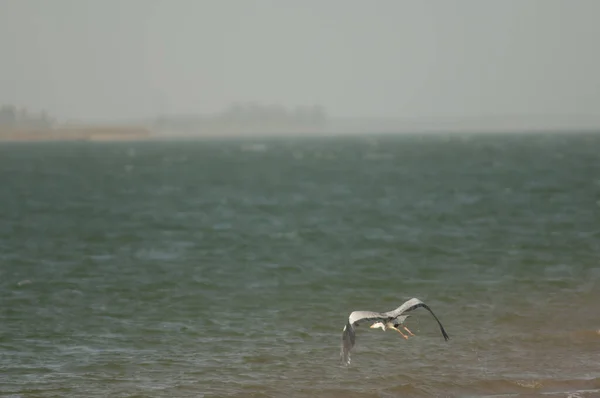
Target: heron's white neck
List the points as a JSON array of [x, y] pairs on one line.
[[378, 325]]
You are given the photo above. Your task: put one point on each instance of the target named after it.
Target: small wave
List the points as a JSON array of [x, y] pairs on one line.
[[504, 387], [586, 335], [482, 388], [253, 147], [411, 390], [378, 156]]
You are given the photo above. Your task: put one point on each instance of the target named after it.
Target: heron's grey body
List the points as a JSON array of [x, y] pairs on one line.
[[394, 317]]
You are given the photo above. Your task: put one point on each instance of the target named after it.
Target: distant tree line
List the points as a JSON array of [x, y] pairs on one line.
[[310, 115], [252, 115], [11, 117]]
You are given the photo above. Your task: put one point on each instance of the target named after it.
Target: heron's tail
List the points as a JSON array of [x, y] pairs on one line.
[[348, 339]]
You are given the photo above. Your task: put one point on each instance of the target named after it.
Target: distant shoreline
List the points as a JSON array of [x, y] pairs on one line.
[[141, 133], [76, 133]]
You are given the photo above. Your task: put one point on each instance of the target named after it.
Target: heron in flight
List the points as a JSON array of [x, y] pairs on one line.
[[384, 320]]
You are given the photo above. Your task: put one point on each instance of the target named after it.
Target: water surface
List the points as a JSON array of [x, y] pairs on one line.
[[228, 268]]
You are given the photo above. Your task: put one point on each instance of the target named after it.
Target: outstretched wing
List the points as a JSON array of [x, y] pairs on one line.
[[349, 334], [412, 305], [348, 339]]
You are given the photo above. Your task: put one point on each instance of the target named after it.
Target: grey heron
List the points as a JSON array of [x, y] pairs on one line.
[[384, 320]]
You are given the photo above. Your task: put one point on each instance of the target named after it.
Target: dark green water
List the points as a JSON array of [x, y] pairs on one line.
[[228, 268]]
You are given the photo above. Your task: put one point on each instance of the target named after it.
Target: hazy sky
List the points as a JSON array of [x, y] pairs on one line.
[[99, 59]]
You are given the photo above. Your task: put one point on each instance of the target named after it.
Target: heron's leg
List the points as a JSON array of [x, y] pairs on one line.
[[409, 332], [403, 335]]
